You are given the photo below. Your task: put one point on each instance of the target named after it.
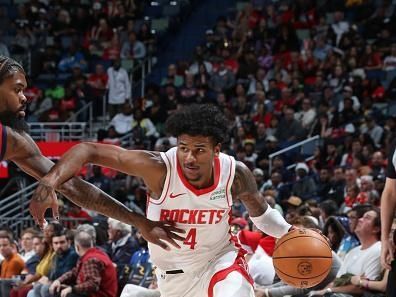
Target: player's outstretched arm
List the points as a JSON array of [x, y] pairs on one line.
[[262, 215], [25, 153]]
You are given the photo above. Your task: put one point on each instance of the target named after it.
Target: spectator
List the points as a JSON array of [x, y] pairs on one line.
[[293, 133], [119, 87], [100, 180], [304, 187], [334, 231], [121, 244], [27, 250], [361, 260], [122, 122], [12, 264], [133, 48], [64, 260], [172, 77], [93, 275]]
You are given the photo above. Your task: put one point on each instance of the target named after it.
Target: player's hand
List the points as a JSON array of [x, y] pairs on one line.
[[161, 233], [44, 197], [387, 252]]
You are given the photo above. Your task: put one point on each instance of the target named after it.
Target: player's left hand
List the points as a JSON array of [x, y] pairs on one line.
[[161, 233], [44, 197]]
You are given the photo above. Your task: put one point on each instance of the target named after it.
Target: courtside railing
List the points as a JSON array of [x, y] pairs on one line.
[[305, 148], [84, 113], [62, 131]]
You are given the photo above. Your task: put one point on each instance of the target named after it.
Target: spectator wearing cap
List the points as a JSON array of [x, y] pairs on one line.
[[292, 205], [259, 177], [304, 186]]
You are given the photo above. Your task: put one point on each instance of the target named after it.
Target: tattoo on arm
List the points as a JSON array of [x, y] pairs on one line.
[[245, 188], [88, 196]]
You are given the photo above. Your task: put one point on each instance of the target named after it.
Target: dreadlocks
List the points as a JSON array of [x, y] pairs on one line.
[[8, 67]]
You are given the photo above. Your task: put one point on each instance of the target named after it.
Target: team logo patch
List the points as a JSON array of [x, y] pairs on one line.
[[218, 194]]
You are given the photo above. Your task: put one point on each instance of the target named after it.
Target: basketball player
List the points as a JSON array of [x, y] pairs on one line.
[[388, 212], [193, 185], [17, 146]]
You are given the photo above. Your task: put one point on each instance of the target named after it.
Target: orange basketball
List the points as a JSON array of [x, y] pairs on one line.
[[302, 258]]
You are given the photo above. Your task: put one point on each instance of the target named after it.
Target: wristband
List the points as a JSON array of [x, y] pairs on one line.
[[367, 284], [329, 290], [272, 223]]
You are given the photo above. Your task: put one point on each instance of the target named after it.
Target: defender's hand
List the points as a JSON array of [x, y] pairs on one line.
[[161, 233], [387, 252], [43, 198]]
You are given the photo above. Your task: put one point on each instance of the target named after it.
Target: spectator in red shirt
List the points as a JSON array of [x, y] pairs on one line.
[[93, 276]]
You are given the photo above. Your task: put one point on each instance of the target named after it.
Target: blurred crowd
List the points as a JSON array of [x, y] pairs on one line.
[[281, 71]]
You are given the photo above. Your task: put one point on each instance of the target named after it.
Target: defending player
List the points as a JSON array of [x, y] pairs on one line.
[[17, 146], [193, 185]]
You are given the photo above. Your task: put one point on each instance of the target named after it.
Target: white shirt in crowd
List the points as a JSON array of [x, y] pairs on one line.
[[118, 85], [122, 123], [363, 262]]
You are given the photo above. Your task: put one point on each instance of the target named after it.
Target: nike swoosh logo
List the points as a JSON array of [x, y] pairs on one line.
[[171, 195]]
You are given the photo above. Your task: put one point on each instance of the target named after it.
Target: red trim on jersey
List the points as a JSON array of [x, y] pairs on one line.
[[196, 191], [228, 181], [160, 201], [239, 266]]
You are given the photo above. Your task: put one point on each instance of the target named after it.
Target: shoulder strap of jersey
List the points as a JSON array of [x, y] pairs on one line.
[[3, 141]]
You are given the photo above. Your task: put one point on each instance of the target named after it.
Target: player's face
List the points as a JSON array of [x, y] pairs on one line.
[[196, 155], [12, 98]]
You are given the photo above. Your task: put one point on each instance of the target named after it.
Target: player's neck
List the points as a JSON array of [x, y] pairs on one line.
[[205, 181]]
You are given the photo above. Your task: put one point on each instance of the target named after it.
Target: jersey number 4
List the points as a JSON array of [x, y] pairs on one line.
[[191, 238]]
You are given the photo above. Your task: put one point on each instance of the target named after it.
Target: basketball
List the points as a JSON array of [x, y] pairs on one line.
[[302, 258]]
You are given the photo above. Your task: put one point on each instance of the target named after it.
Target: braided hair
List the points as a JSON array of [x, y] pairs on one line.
[[8, 67]]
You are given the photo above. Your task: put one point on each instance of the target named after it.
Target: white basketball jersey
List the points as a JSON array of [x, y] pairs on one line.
[[204, 214]]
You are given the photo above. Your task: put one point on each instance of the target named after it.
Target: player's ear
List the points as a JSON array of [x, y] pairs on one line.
[[217, 149]]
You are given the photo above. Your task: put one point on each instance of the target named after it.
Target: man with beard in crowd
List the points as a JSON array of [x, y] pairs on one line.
[[17, 146]]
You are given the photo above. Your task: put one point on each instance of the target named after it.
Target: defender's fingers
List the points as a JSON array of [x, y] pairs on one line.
[[55, 210]]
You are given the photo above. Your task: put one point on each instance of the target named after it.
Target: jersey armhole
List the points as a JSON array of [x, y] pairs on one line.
[[165, 189], [230, 181]]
